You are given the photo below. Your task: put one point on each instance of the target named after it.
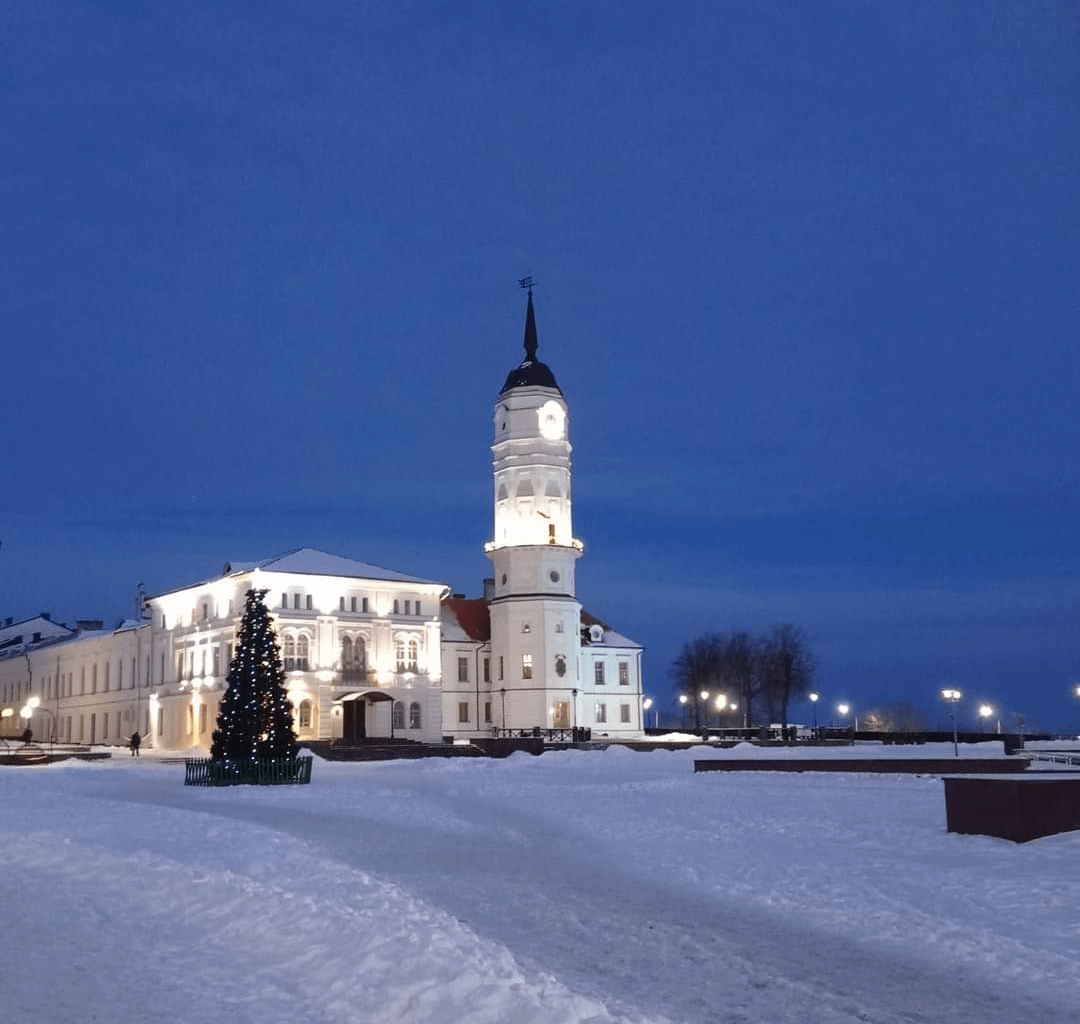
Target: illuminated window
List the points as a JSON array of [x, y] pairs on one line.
[[414, 656], [399, 655], [463, 711], [601, 713], [399, 715], [353, 656], [202, 719], [598, 673], [190, 720], [526, 666], [304, 715], [289, 652], [624, 673], [302, 645], [414, 715]]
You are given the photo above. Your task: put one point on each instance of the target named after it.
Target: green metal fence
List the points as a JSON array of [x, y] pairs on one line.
[[286, 771]]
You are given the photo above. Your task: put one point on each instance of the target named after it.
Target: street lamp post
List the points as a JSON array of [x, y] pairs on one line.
[[813, 700], [704, 695], [645, 705], [953, 698], [986, 712]]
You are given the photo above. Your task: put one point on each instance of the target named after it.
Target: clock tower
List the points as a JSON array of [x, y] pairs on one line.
[[535, 617]]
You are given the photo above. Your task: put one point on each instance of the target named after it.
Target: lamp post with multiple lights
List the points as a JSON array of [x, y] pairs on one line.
[[952, 697]]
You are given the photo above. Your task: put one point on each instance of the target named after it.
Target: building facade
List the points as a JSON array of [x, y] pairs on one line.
[[367, 652]]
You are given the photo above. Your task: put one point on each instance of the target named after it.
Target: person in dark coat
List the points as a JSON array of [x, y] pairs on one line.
[[136, 739]]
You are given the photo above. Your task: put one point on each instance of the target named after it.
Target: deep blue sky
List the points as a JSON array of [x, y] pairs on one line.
[[807, 277]]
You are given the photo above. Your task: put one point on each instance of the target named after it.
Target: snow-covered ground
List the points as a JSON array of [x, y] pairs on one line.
[[578, 886]]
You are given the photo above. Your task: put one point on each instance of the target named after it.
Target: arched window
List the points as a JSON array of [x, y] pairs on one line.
[[353, 657], [414, 715], [414, 656], [302, 646], [360, 655], [290, 652], [304, 715], [399, 655], [346, 653], [399, 715]]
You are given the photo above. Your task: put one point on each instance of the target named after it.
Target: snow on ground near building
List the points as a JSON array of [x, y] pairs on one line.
[[574, 887]]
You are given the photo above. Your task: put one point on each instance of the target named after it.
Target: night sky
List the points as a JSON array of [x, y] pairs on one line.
[[807, 276]]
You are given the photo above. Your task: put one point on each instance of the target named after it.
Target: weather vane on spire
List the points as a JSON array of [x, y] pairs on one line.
[[526, 282]]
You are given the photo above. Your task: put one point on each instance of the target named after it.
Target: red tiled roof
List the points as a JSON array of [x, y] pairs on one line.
[[472, 615], [475, 619]]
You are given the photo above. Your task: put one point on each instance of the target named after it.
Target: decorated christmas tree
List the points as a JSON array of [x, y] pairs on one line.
[[255, 720]]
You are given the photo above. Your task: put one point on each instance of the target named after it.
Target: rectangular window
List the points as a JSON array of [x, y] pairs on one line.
[[363, 604], [205, 611], [598, 673], [463, 711], [284, 600], [395, 607], [408, 607], [624, 673], [463, 670], [487, 670], [119, 675], [601, 713], [202, 719], [108, 666], [296, 601], [624, 713], [307, 603], [160, 721], [180, 666], [341, 604], [93, 679], [487, 711], [190, 720], [217, 661], [352, 604], [228, 654], [526, 666], [500, 667], [418, 612]]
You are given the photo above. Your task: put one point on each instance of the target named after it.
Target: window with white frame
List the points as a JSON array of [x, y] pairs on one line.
[[303, 647], [624, 713], [601, 713], [399, 715], [414, 715], [526, 666], [598, 673], [308, 603], [624, 673], [463, 670], [463, 711], [303, 717]]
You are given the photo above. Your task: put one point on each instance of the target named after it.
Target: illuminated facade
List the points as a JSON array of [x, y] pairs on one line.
[[367, 652]]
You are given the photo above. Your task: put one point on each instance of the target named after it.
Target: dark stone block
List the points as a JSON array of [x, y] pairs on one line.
[[1020, 809]]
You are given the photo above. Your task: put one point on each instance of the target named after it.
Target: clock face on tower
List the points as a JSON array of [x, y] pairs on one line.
[[552, 421]]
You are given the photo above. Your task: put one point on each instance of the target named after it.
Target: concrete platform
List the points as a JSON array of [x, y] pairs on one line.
[[870, 765], [1019, 808]]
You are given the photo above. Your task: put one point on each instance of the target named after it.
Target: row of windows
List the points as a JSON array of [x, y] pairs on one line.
[[601, 713], [62, 684], [399, 715], [355, 604], [527, 669], [561, 713], [103, 727]]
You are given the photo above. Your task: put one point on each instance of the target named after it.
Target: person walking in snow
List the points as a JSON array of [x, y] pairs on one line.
[[136, 739]]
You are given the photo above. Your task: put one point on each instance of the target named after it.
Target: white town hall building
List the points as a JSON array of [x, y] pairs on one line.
[[367, 652]]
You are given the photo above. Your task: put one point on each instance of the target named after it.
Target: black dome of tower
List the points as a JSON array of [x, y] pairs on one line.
[[531, 373]]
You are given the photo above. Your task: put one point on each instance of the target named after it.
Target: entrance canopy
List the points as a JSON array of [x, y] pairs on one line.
[[372, 695]]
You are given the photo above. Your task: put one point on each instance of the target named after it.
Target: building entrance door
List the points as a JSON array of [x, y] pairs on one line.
[[354, 721]]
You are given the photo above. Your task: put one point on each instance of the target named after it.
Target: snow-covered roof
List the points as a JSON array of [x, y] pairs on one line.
[[311, 562], [27, 632]]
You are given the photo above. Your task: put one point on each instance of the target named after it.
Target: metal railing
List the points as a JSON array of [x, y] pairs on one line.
[[286, 771]]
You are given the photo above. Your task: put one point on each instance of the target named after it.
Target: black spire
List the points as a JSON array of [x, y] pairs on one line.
[[531, 373], [530, 330]]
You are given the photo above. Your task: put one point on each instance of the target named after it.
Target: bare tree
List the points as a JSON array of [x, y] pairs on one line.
[[786, 667], [739, 665], [900, 717], [697, 670]]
